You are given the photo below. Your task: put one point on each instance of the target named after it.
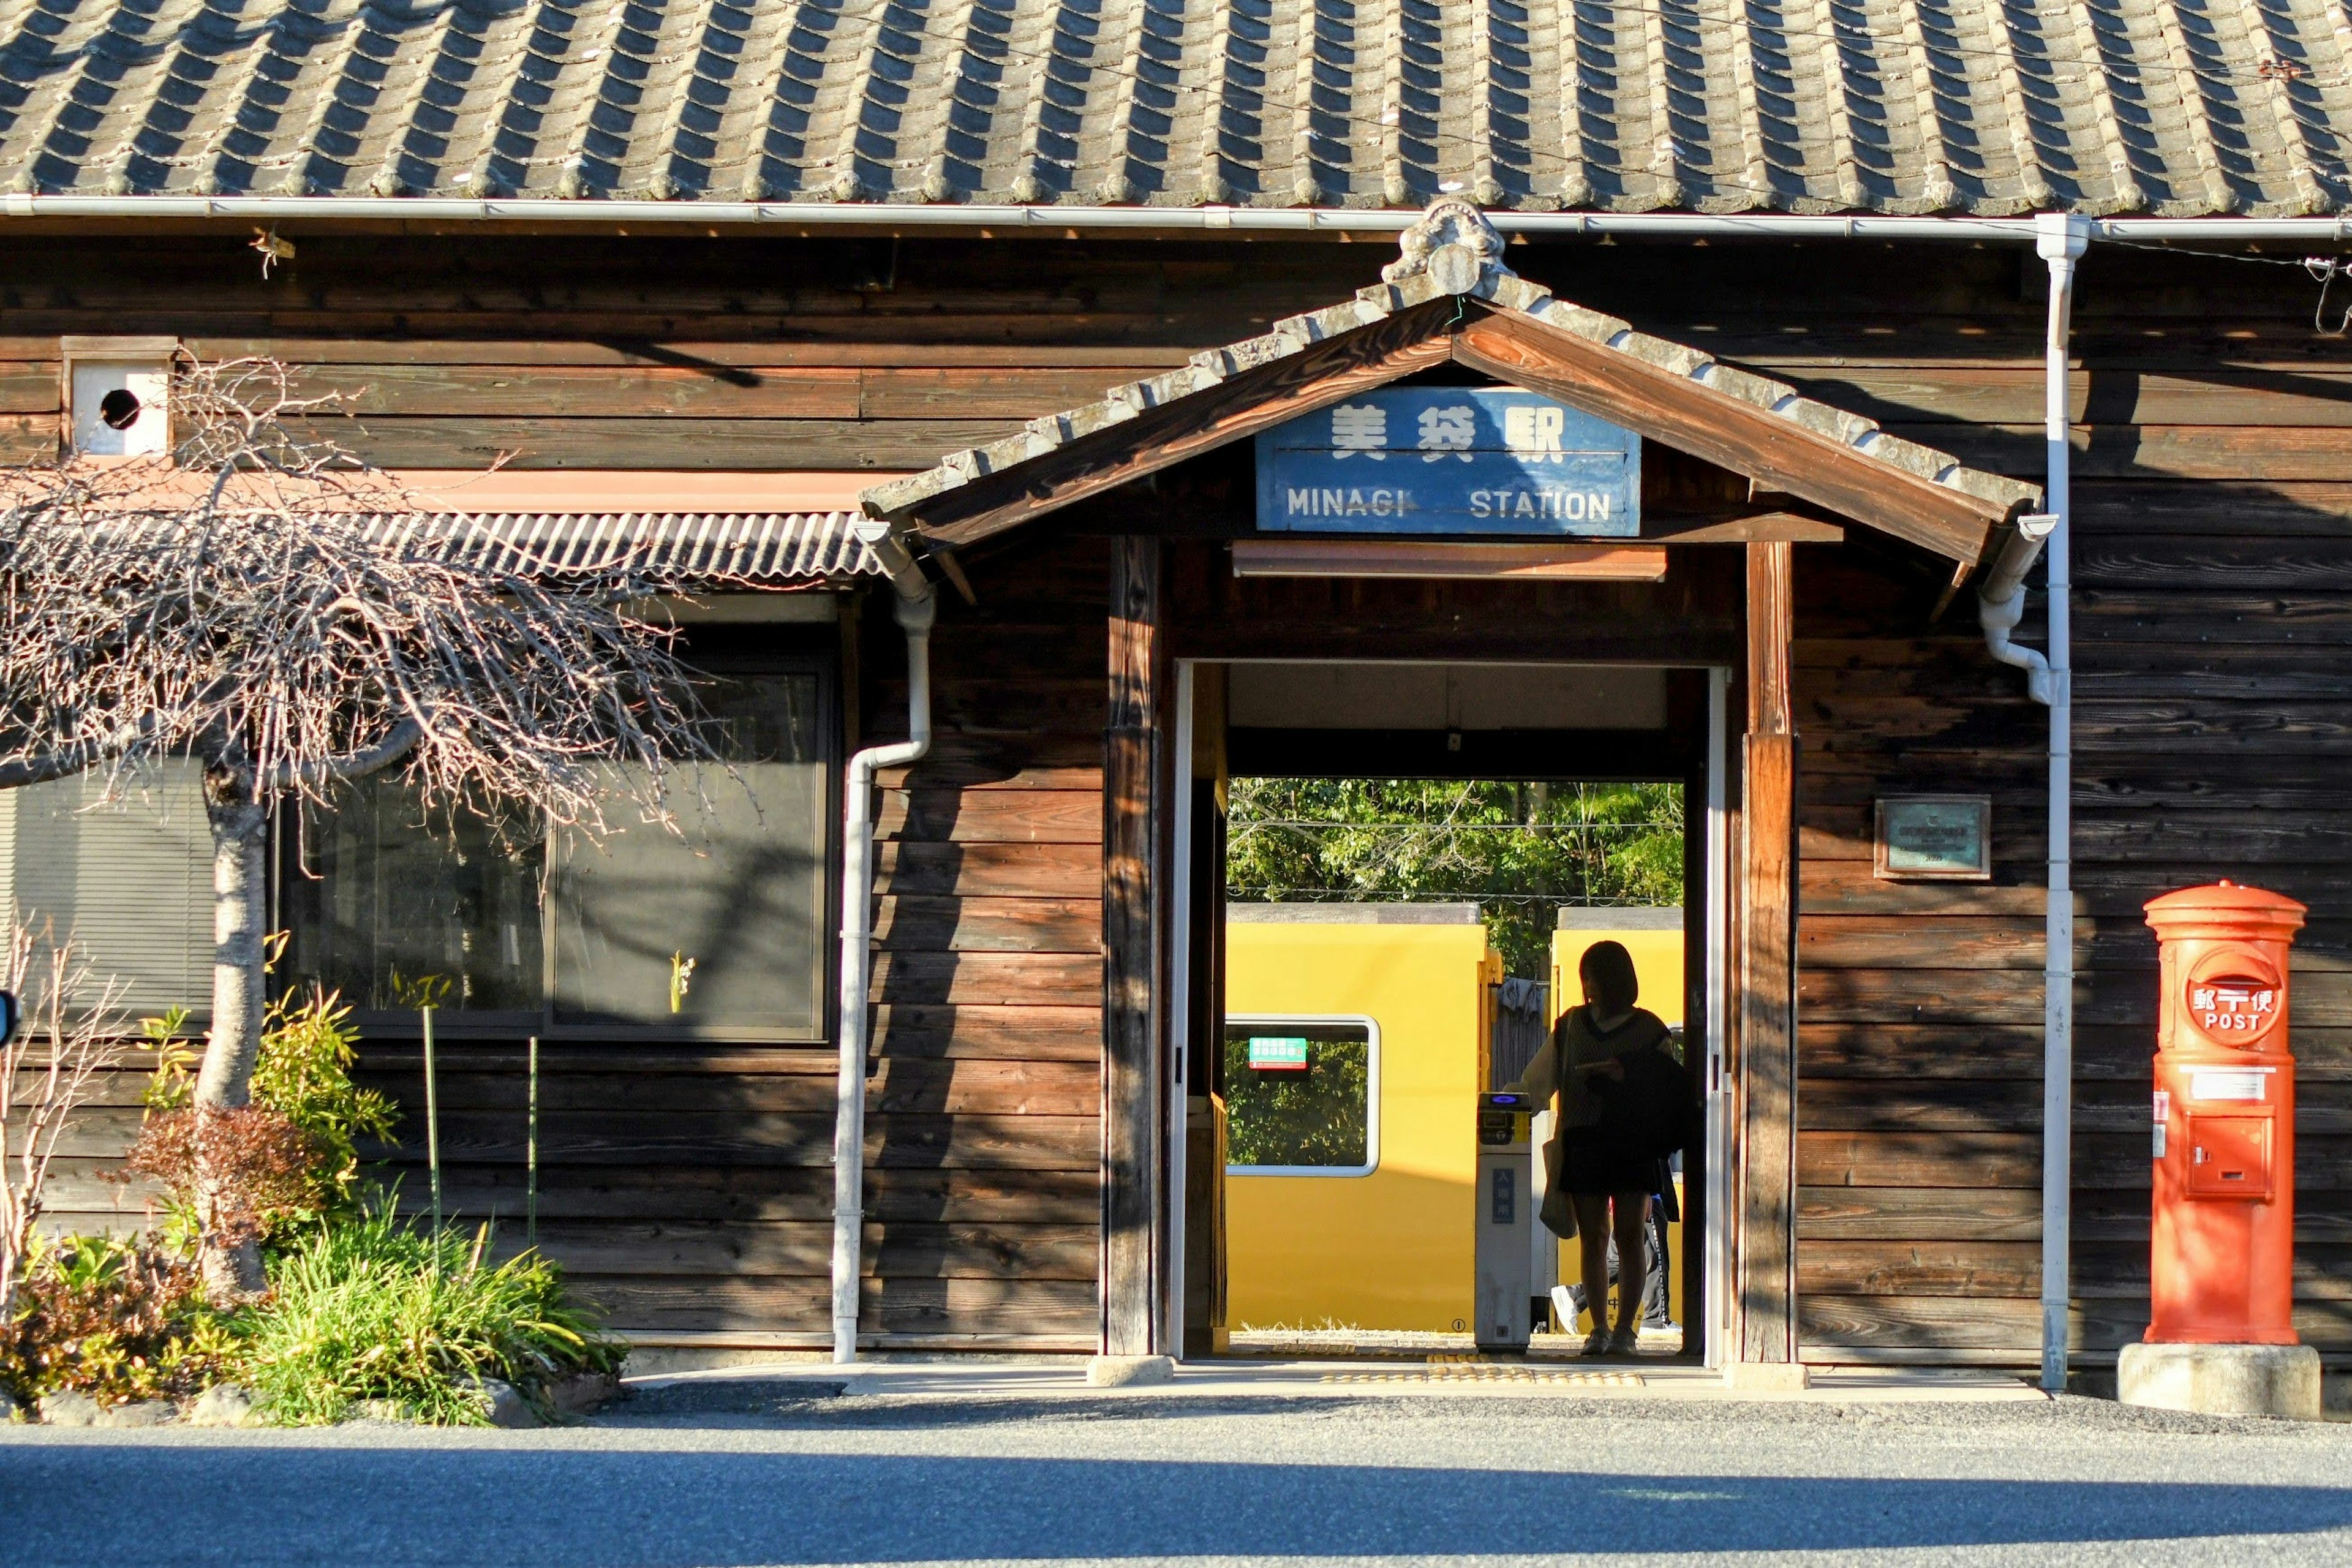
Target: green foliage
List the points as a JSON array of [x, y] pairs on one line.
[[174, 1086], [303, 1074], [1518, 849], [372, 1309], [415, 992], [1311, 1118], [308, 1046], [115, 1319]]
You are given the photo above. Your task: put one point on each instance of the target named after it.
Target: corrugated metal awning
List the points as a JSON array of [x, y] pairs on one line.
[[771, 548]]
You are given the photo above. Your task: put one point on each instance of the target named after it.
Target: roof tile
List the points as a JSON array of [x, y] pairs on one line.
[[1887, 106]]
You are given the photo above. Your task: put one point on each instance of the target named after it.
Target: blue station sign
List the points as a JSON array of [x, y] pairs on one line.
[[1449, 460]]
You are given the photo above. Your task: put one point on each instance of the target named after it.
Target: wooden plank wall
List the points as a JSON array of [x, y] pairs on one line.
[[1919, 1005], [2214, 487], [690, 1189], [2214, 572]]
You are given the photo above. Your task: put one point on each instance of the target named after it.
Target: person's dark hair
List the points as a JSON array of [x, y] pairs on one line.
[[1607, 971]]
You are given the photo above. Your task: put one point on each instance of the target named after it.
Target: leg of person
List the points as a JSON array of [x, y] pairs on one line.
[[1657, 1293], [1592, 1250], [1631, 1226]]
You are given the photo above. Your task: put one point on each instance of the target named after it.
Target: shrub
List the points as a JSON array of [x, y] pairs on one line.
[[232, 1176], [373, 1310], [302, 1080], [304, 1072], [115, 1319]]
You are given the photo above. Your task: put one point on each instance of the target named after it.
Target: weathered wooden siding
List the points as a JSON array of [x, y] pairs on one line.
[[1919, 1005], [2213, 557], [2214, 544], [988, 979]]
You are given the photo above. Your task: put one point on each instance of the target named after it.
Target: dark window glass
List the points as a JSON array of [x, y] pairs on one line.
[[719, 926], [396, 911], [722, 925], [1314, 1116]]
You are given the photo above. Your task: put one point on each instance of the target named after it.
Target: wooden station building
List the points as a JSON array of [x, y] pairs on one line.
[[1026, 283]]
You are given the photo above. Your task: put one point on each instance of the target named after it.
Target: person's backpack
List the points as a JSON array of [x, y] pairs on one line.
[[1652, 1109]]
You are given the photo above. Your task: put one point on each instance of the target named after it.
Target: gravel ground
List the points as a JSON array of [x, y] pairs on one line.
[[743, 1471]]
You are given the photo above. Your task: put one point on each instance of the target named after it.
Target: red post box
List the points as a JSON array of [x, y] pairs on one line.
[[2221, 1263]]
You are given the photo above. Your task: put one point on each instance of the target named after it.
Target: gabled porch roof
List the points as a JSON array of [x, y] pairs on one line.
[[1450, 299]]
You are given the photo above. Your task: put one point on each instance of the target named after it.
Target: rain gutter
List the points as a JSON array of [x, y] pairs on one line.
[[1336, 221]]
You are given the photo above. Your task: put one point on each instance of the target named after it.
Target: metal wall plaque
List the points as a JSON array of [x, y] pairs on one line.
[[1449, 460], [1933, 838]]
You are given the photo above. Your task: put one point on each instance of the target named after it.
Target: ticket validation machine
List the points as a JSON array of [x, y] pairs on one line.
[[1507, 1205]]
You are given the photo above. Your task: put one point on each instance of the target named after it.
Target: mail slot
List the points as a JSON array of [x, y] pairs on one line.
[[2229, 1157], [2222, 1232]]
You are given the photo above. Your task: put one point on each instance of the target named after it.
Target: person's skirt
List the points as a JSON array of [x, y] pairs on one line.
[[1592, 1168]]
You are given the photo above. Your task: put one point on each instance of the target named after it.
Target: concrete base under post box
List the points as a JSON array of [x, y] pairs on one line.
[[2222, 1380]]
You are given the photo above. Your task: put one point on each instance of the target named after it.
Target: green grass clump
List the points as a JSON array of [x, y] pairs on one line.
[[373, 1310]]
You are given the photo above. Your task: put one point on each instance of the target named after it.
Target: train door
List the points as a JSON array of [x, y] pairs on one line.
[[1308, 1083]]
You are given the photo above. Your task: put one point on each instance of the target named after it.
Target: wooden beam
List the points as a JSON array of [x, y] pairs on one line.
[[1778, 453], [1418, 558], [1230, 514], [1134, 992], [1767, 983], [1771, 620], [1241, 406], [1737, 528]]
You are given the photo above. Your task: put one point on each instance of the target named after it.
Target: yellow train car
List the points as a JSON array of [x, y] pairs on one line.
[[1357, 1039], [1655, 939], [1353, 1154]]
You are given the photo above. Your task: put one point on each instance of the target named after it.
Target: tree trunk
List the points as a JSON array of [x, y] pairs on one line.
[[240, 912]]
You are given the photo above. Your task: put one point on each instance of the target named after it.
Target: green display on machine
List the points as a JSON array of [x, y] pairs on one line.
[[1277, 1053]]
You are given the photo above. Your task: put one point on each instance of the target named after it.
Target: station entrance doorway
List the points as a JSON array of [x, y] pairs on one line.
[[1334, 1028]]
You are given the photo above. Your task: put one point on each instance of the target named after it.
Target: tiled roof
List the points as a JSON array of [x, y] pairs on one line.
[[771, 549], [2170, 107], [1414, 280]]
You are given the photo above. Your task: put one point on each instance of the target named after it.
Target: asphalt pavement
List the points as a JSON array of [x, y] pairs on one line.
[[747, 1472]]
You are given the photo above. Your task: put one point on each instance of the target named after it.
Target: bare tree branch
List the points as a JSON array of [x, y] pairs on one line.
[[49, 1068], [272, 609], [403, 740], [270, 603]]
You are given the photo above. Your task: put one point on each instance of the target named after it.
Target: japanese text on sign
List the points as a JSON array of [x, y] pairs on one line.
[[2233, 1009], [1449, 460]]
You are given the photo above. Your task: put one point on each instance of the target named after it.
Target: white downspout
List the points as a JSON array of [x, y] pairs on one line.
[[915, 606], [2061, 240], [2000, 601]]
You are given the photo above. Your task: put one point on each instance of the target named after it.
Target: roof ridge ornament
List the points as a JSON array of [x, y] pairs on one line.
[[1452, 244]]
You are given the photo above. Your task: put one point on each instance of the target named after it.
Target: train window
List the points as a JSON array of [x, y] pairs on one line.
[[1302, 1097]]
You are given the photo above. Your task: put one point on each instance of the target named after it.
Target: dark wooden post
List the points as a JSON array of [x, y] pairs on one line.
[[1766, 987], [1134, 990]]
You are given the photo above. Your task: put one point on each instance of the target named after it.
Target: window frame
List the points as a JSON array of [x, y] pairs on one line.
[[1372, 1028], [400, 1023]]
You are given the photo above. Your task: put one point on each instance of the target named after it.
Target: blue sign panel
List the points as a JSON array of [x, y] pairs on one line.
[[1449, 460]]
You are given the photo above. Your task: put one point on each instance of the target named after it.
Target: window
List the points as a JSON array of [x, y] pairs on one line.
[[717, 929], [1302, 1097], [130, 881], [394, 909]]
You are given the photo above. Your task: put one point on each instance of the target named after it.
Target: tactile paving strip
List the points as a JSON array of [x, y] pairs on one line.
[[1475, 1372]]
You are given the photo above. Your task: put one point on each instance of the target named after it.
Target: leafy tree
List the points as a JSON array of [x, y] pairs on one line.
[[1518, 849]]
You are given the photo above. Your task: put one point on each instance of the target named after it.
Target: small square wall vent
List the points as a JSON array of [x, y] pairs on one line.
[[118, 395]]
